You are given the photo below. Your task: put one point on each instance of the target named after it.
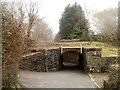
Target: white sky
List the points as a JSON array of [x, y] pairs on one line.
[[52, 9]]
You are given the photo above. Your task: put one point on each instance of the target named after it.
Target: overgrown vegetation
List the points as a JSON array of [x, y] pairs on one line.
[[113, 81], [12, 46], [20, 25]]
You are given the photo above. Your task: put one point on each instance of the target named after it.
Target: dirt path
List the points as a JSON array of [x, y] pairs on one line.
[[68, 78]]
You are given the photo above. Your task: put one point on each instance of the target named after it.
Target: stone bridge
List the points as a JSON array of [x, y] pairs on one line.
[[45, 60]]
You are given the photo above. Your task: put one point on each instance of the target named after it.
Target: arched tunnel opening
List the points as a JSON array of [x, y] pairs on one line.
[[72, 60]]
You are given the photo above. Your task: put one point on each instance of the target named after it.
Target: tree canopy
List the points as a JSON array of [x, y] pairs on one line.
[[72, 23]]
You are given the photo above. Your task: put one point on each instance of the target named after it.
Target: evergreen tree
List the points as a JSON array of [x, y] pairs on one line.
[[73, 22]]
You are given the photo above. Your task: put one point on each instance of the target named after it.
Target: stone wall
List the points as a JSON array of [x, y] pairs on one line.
[[92, 59], [107, 62], [95, 63], [52, 60], [42, 60], [110, 60]]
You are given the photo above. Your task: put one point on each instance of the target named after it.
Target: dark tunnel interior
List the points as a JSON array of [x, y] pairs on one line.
[[72, 61]]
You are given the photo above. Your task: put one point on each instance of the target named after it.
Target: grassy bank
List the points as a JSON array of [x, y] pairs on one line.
[[107, 49]]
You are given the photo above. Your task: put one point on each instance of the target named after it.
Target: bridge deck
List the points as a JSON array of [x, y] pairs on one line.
[[78, 49], [71, 47]]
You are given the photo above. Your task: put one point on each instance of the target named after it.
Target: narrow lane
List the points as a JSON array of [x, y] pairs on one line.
[[70, 77]]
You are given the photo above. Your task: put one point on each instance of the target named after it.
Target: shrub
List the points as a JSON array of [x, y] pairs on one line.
[[114, 81], [12, 47]]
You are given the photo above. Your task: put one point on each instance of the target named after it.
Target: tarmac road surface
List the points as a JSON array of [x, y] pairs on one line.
[[70, 77]]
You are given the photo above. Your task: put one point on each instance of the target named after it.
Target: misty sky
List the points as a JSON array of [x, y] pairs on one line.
[[53, 9]]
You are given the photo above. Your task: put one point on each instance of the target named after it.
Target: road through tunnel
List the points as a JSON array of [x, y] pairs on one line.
[[72, 60]]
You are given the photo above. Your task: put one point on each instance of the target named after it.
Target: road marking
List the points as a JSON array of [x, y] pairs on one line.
[[94, 81]]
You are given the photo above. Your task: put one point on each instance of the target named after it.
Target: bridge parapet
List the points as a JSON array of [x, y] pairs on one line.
[[73, 49]]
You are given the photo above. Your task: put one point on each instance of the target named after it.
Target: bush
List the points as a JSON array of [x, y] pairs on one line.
[[12, 47], [114, 81]]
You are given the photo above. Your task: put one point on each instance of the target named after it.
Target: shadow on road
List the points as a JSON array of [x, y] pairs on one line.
[[72, 67]]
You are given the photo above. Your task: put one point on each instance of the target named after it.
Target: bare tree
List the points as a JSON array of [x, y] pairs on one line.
[[41, 31], [89, 15], [106, 22], [32, 11]]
